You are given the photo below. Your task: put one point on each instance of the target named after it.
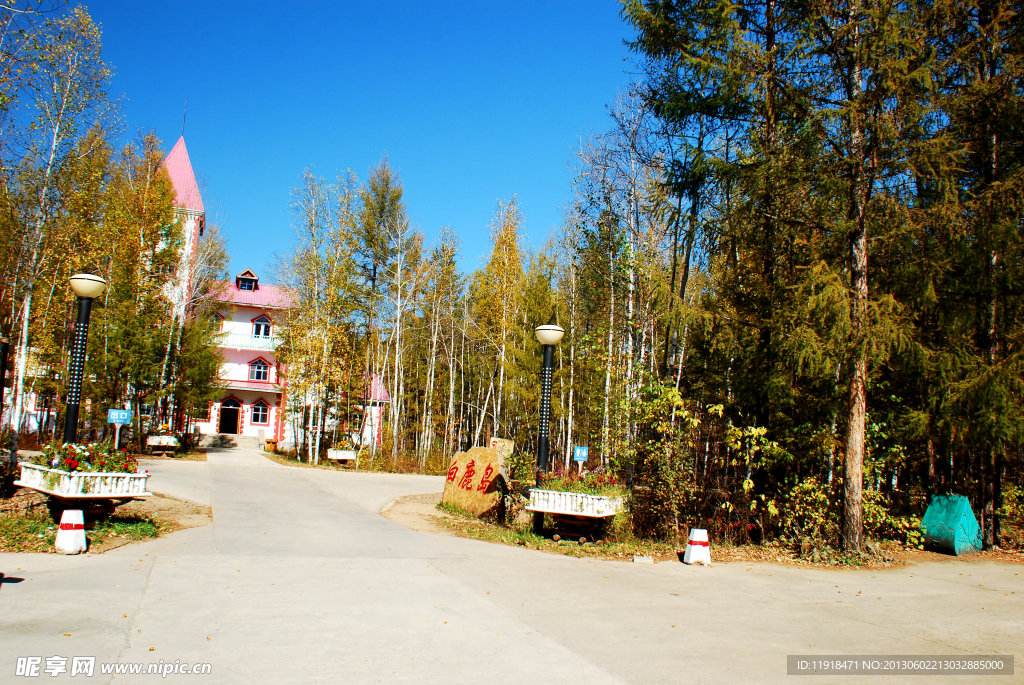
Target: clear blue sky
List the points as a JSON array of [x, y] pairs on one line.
[[471, 101]]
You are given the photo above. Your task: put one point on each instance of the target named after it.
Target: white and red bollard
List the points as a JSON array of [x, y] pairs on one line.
[[698, 549], [71, 536]]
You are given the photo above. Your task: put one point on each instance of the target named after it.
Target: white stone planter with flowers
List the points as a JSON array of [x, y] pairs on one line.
[[83, 484], [573, 503], [343, 455]]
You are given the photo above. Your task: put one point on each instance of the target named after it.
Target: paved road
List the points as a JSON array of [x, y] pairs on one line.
[[299, 580]]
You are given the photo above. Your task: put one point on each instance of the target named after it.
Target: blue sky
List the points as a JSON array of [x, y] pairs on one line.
[[472, 102]]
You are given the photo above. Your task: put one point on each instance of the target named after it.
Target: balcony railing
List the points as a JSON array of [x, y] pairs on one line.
[[245, 341]]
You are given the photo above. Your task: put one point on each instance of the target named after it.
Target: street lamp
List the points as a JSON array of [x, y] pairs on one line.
[[548, 335], [5, 345], [87, 287]]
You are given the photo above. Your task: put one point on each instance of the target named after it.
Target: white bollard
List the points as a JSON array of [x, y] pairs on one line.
[[698, 549], [71, 536]]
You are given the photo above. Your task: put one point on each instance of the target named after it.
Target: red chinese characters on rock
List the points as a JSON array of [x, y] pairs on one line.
[[467, 480], [486, 479]]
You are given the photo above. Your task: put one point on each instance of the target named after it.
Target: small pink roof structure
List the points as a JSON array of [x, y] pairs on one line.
[[378, 391], [179, 168], [266, 296], [256, 295]]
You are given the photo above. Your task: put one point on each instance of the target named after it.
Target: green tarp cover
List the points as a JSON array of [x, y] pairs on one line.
[[949, 526]]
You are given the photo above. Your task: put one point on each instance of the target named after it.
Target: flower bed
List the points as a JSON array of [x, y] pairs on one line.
[[83, 484], [343, 455], [596, 482], [84, 471], [573, 503]]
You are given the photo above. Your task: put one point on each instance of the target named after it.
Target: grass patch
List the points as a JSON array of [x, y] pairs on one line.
[[618, 543], [381, 464], [199, 455], [35, 531], [288, 459], [466, 525]]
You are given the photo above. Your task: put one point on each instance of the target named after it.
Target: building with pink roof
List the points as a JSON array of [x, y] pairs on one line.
[[253, 399], [253, 402]]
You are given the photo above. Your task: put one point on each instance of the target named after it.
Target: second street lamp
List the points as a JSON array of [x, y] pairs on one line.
[[87, 287], [548, 335]]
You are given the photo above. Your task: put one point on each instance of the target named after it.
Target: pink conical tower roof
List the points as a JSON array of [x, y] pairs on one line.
[[186, 190]]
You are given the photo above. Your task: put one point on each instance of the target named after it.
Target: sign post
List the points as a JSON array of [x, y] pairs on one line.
[[118, 417], [580, 455]]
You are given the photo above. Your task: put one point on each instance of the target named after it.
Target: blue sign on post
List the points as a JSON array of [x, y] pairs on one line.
[[580, 454], [119, 416]]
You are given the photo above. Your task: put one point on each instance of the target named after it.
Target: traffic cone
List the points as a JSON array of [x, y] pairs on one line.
[[71, 536], [698, 549]]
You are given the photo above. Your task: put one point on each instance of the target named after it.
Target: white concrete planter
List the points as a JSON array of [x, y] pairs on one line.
[[162, 441], [83, 485], [573, 503], [344, 455]]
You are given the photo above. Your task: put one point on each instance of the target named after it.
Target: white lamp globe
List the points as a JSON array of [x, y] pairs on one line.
[[549, 334], [88, 286]]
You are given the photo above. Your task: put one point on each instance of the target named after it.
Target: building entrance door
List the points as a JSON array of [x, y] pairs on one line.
[[229, 417]]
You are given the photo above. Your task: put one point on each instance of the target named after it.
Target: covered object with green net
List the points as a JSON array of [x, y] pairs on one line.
[[949, 526]]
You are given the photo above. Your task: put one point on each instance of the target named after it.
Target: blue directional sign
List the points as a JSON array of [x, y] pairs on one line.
[[580, 453], [119, 416]]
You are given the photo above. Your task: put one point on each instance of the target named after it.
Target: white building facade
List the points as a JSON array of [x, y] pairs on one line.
[[253, 399]]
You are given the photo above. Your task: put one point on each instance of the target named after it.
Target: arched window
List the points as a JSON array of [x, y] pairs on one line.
[[261, 327], [259, 370], [260, 412], [230, 404]]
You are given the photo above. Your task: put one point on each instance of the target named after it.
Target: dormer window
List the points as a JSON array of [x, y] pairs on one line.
[[259, 370], [261, 327], [247, 280]]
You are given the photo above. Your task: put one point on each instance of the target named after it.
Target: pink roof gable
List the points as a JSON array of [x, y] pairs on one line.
[[179, 168], [268, 296], [378, 391]]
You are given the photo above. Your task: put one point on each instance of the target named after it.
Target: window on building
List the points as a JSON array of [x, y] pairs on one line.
[[259, 370], [260, 412], [246, 283], [230, 404], [261, 327]]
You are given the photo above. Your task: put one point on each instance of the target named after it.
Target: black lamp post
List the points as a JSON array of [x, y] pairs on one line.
[[87, 287], [548, 335], [5, 346]]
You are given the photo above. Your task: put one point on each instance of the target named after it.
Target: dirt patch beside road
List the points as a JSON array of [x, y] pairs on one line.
[[418, 512], [26, 524]]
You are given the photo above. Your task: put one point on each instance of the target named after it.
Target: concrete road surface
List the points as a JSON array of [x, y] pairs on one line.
[[300, 580]]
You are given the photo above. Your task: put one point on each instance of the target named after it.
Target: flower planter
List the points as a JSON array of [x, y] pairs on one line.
[[573, 503], [83, 484], [344, 455], [162, 444]]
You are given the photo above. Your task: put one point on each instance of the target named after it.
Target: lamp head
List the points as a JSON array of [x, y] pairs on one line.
[[88, 286], [549, 334]]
